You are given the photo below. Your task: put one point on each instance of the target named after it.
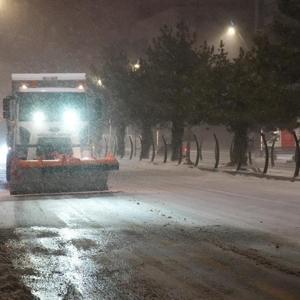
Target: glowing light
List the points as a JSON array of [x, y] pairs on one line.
[[99, 82], [231, 31], [86, 155], [80, 87], [24, 87], [86, 158], [136, 66], [39, 117], [71, 119]]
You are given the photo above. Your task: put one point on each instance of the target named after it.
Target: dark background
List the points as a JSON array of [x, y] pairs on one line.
[[70, 35]]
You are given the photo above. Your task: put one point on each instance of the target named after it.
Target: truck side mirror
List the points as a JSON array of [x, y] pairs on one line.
[[6, 107]]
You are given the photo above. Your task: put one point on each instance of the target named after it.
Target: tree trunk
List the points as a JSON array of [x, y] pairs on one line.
[[120, 133], [188, 146], [177, 135], [240, 145], [147, 140]]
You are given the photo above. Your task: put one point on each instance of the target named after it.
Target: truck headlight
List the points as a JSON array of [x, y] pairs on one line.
[[39, 117], [71, 118]]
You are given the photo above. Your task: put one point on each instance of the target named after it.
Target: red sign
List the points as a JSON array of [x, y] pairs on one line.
[[287, 139]]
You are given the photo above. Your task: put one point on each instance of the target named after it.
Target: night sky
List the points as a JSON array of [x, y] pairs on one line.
[[69, 35]]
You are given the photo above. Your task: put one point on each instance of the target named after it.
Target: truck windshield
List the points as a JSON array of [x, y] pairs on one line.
[[53, 105]]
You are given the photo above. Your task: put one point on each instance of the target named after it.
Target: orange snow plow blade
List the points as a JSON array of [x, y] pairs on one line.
[[60, 176]]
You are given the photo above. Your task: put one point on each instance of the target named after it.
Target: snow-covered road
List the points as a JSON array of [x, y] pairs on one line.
[[164, 232], [207, 198]]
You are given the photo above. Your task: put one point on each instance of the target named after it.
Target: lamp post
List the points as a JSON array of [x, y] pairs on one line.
[[99, 83], [233, 33], [136, 66]]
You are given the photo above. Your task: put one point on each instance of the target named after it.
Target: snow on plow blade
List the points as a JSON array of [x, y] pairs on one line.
[[57, 176]]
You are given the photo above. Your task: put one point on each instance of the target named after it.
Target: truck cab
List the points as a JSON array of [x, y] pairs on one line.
[[47, 115]]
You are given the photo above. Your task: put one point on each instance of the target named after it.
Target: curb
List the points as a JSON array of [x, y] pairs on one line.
[[250, 174]]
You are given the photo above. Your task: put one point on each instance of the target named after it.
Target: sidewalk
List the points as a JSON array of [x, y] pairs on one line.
[[283, 169], [279, 171]]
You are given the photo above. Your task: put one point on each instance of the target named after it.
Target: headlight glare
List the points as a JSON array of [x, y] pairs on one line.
[[39, 117], [71, 117]]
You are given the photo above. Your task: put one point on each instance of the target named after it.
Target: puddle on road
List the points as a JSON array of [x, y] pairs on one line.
[[138, 262], [60, 263], [59, 258]]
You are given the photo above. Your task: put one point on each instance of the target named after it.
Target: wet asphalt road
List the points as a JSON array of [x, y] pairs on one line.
[[133, 244]]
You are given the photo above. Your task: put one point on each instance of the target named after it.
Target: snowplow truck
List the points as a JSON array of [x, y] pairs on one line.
[[48, 128]]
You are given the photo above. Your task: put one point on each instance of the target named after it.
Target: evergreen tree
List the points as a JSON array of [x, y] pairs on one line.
[[171, 62], [287, 34], [244, 97], [278, 62], [145, 111]]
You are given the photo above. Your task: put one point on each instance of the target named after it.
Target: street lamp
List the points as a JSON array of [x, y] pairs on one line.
[[231, 31], [233, 37], [136, 66], [99, 82]]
